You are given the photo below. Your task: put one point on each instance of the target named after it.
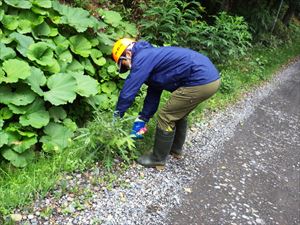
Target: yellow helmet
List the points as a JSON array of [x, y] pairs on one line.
[[119, 47]]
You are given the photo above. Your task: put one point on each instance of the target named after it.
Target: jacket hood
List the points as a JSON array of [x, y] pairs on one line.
[[140, 45]]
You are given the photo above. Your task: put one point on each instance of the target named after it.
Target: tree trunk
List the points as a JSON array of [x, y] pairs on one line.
[[288, 15]]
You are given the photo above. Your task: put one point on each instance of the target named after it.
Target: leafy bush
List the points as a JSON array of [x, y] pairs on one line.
[[47, 51], [171, 22], [229, 36], [106, 139]]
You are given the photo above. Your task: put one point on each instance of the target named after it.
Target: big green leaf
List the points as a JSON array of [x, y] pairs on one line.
[[24, 144], [36, 115], [99, 100], [23, 42], [10, 22], [30, 16], [57, 137], [97, 57], [88, 66], [86, 85], [22, 4], [25, 26], [45, 30], [78, 18], [16, 159], [21, 96], [3, 138], [62, 87], [42, 3], [5, 113], [15, 69], [57, 113], [74, 66], [111, 17], [6, 52], [36, 80], [41, 53], [80, 45], [108, 87]]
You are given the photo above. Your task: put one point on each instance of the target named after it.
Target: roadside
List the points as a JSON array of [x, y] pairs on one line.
[[255, 176], [146, 196]]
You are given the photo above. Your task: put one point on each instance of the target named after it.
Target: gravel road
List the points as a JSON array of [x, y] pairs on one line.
[[241, 166]]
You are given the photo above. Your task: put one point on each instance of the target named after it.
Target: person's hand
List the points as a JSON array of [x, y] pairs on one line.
[[138, 129], [116, 115]]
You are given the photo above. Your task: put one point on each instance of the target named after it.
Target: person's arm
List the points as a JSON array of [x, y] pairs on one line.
[[151, 103], [138, 75]]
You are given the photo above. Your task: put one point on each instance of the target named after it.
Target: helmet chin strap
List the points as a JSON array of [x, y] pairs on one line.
[[124, 58]]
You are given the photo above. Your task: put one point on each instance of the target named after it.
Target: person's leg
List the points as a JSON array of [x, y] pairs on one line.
[[180, 104]]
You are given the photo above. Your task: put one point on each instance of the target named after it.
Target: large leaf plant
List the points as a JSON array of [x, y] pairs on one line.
[[52, 57]]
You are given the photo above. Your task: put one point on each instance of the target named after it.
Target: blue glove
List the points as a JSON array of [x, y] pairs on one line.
[[138, 129], [116, 115]]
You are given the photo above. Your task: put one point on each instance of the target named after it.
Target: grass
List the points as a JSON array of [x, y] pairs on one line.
[[19, 187]]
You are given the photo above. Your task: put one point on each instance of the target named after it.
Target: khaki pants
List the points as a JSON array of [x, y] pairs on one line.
[[182, 102]]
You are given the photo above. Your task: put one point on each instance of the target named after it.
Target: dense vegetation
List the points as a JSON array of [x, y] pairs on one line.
[[58, 84]]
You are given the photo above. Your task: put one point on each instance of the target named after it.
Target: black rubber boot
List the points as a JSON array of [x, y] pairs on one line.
[[161, 149], [180, 135]]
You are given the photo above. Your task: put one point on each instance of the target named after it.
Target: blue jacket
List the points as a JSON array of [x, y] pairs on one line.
[[163, 68]]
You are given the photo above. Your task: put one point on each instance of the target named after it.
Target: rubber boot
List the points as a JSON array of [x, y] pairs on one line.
[[161, 149], [180, 135]]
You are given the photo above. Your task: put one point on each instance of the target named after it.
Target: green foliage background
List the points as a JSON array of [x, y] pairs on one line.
[[55, 68]]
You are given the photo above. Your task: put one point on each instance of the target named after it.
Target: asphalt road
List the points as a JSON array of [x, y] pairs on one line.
[[254, 178]]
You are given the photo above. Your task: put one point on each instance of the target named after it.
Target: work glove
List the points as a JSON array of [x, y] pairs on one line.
[[138, 129]]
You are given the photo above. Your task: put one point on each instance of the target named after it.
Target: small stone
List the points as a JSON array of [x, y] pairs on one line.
[[259, 221], [16, 217], [30, 216]]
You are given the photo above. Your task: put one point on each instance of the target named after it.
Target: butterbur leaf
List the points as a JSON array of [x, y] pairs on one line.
[[23, 42], [108, 87], [36, 80], [6, 52], [40, 53], [57, 113], [97, 57], [15, 69], [22, 4], [3, 138], [33, 18], [78, 18], [99, 100], [5, 113], [42, 3], [111, 17], [53, 66], [57, 137], [36, 115], [16, 159], [75, 66], [88, 66], [25, 26], [10, 22], [66, 56], [86, 85], [21, 96], [1, 125], [24, 144], [80, 45], [62, 87]]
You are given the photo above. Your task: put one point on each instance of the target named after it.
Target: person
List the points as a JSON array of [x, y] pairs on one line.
[[190, 77]]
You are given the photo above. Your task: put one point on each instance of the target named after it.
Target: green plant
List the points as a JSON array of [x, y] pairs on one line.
[[106, 139], [172, 22], [180, 23], [229, 36], [49, 58]]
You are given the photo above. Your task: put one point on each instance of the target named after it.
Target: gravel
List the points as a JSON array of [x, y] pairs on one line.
[[139, 195]]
